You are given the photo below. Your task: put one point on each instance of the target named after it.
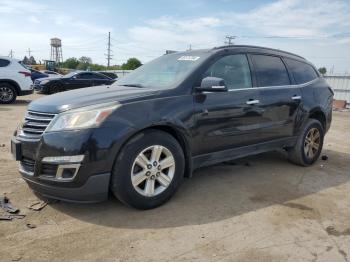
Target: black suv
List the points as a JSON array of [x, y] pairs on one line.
[[139, 137]]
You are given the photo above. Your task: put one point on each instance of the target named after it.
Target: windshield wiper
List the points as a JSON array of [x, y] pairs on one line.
[[134, 85]]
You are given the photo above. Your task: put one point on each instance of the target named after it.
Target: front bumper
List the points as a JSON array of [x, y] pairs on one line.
[[94, 190], [89, 184], [38, 87]]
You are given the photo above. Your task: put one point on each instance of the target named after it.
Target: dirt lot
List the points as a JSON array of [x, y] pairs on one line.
[[268, 210]]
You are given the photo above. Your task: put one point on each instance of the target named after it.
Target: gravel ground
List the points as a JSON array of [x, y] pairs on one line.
[[267, 210]]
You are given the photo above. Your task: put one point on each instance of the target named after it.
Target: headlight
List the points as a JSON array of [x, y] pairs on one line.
[[86, 117], [43, 82]]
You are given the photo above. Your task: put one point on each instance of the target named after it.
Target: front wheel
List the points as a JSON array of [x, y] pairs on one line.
[[148, 170], [309, 144]]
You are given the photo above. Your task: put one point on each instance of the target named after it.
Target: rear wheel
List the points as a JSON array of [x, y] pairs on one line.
[[148, 170], [309, 144], [8, 93]]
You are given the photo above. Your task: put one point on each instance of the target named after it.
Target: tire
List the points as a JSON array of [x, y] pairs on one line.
[[300, 154], [54, 88], [129, 162], [8, 93]]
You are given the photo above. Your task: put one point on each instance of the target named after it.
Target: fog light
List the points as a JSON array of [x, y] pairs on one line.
[[63, 159], [67, 172]]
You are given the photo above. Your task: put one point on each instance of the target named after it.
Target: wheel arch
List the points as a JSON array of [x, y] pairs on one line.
[[13, 83], [176, 133], [319, 115]]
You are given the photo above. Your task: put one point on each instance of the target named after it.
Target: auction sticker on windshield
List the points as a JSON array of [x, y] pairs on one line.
[[188, 58]]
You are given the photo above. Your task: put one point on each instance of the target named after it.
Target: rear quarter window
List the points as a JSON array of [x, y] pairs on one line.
[[4, 62], [301, 71], [270, 71]]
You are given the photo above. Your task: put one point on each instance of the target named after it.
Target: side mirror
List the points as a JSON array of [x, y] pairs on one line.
[[212, 84]]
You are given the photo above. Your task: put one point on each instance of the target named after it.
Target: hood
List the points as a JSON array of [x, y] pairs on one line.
[[89, 96]]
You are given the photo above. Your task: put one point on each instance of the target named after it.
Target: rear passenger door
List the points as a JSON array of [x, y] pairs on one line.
[[100, 80], [279, 100]]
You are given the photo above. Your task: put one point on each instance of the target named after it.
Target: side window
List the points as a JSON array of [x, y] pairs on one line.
[[234, 69], [270, 71], [84, 76], [4, 62], [302, 72], [97, 76]]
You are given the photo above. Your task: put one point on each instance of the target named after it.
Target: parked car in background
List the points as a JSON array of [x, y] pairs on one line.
[[70, 81], [37, 74], [14, 80], [142, 135], [109, 74], [51, 73]]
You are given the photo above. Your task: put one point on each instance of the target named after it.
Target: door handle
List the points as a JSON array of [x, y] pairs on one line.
[[252, 102], [296, 97]]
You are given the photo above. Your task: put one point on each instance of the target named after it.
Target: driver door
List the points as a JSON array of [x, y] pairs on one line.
[[225, 120]]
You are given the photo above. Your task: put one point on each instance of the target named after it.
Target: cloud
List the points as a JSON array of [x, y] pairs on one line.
[[34, 19], [294, 18], [69, 21], [20, 7]]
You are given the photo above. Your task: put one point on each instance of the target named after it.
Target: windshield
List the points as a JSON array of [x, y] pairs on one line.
[[164, 72]]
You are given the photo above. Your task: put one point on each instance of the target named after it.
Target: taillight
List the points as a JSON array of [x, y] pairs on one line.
[[25, 73]]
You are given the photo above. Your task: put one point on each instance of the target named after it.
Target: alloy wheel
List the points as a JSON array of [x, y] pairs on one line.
[[6, 94], [153, 170], [312, 143]]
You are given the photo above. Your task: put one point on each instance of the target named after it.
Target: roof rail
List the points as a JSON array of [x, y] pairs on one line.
[[261, 47]]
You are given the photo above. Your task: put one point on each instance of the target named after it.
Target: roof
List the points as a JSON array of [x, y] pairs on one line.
[[257, 47]]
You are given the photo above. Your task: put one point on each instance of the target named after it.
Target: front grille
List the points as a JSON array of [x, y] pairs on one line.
[[35, 124], [28, 165]]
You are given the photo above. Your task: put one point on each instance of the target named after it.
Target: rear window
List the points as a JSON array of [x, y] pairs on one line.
[[302, 72], [4, 62], [270, 71]]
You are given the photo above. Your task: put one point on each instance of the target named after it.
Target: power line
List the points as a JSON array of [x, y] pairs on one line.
[[11, 53], [29, 51], [109, 56], [229, 39]]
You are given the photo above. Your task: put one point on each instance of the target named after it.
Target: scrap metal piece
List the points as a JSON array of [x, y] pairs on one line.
[[37, 206], [6, 205]]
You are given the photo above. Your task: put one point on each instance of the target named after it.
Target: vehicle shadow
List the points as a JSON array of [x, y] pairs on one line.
[[224, 191]]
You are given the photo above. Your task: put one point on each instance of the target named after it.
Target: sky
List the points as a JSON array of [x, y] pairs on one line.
[[318, 30]]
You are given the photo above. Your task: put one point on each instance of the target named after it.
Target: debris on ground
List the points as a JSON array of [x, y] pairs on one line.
[[324, 157], [2, 145], [7, 216], [39, 205], [31, 226], [18, 258], [9, 212], [6, 205]]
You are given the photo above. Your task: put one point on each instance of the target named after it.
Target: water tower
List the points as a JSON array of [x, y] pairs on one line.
[[56, 50]]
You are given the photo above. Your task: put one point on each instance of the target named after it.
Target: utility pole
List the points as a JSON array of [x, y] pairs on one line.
[[108, 55], [229, 39], [29, 52], [11, 54]]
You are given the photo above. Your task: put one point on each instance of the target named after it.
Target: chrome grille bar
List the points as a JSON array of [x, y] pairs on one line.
[[35, 124]]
